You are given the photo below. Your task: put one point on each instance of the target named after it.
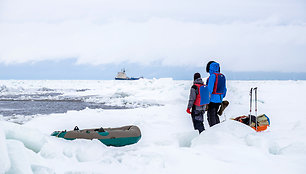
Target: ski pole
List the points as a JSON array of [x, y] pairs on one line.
[[251, 93], [255, 90]]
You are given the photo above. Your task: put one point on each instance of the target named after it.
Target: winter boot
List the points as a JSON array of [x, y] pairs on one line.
[[224, 104]]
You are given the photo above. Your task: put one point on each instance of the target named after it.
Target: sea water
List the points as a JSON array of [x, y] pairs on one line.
[[43, 97]]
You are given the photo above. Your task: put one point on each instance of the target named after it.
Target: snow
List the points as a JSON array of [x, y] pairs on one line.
[[168, 144]]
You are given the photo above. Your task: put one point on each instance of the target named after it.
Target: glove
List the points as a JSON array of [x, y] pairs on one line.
[[188, 110]]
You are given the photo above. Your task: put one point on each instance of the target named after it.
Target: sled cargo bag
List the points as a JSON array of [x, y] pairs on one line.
[[263, 122]]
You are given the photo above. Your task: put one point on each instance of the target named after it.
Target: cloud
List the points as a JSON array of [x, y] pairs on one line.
[[252, 35]]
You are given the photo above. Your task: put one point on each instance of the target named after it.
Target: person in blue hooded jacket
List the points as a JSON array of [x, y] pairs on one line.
[[216, 83]]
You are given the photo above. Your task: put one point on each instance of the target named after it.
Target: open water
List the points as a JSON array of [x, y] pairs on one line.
[[43, 97], [11, 105]]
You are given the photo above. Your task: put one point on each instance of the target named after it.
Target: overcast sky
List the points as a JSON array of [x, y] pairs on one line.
[[243, 35]]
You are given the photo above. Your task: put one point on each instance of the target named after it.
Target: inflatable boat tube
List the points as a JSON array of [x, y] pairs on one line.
[[120, 136]]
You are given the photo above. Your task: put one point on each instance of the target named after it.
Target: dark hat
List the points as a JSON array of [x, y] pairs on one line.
[[196, 76]]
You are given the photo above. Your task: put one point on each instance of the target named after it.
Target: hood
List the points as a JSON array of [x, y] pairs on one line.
[[214, 67], [198, 81]]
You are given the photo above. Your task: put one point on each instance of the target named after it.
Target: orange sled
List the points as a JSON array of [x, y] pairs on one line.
[[263, 121]]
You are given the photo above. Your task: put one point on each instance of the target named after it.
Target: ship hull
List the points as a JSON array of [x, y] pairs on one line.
[[127, 78]]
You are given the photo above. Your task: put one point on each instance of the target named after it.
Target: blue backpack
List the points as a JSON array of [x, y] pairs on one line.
[[219, 86], [203, 96]]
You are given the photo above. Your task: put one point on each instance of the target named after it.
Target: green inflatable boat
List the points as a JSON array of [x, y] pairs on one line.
[[120, 136]]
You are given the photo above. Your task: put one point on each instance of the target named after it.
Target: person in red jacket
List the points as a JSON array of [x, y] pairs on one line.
[[197, 111]]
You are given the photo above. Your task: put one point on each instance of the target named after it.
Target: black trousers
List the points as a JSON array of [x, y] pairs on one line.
[[212, 116], [197, 120]]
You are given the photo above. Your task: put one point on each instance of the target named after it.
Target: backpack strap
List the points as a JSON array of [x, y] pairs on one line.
[[195, 88], [216, 82]]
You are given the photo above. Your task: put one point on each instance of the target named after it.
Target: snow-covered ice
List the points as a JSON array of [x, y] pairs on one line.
[[169, 144]]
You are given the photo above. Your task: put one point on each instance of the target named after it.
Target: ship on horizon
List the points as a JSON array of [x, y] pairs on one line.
[[122, 76]]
